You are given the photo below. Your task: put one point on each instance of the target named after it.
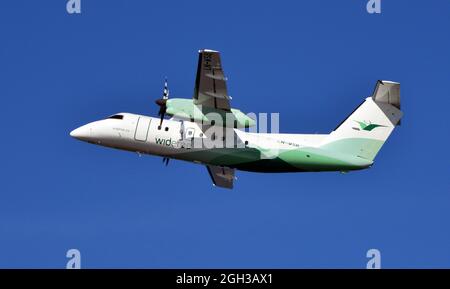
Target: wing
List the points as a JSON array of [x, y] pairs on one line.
[[210, 84], [221, 176]]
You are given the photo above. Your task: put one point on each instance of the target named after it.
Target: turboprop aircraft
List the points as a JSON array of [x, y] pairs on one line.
[[208, 131]]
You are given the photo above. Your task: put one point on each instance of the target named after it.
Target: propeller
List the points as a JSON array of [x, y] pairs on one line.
[[162, 102]]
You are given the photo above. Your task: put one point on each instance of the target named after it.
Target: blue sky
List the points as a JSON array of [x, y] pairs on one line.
[[311, 61]]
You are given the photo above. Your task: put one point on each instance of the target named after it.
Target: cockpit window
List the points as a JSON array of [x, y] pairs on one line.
[[116, 116]]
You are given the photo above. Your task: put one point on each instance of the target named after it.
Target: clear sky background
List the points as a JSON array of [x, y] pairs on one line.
[[311, 61]]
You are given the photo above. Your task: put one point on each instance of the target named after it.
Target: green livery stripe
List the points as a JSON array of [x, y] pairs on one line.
[[295, 160], [316, 159], [361, 147]]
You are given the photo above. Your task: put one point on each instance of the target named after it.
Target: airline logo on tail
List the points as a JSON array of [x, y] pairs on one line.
[[368, 125]]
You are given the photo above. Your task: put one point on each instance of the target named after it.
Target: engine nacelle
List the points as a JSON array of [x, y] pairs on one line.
[[186, 109]]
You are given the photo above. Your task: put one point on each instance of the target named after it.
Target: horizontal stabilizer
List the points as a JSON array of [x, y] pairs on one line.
[[387, 92]]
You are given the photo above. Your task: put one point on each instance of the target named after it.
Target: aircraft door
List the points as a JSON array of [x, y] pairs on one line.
[[142, 129]]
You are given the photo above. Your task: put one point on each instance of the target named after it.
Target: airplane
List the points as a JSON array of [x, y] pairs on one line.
[[207, 130]]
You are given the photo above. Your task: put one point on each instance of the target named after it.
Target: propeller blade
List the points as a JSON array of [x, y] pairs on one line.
[[162, 118], [162, 102], [162, 109], [166, 90]]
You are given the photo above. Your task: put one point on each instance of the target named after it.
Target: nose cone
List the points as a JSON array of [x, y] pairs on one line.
[[81, 133]]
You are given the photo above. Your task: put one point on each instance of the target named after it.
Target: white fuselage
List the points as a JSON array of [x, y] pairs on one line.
[[142, 134]]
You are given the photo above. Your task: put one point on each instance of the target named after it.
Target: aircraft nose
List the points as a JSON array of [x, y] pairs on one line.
[[81, 133]]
